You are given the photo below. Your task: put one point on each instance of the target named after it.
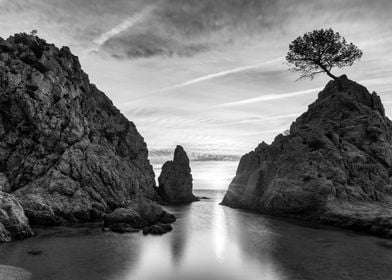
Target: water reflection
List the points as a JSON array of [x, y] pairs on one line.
[[219, 232], [204, 245], [209, 241]]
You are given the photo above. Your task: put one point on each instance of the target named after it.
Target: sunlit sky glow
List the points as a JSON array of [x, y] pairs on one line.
[[207, 74]]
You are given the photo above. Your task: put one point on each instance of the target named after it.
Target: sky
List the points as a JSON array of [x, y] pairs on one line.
[[207, 74]]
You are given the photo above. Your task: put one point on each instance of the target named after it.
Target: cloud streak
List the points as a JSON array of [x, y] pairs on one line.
[[270, 97], [218, 75], [124, 25], [203, 79]]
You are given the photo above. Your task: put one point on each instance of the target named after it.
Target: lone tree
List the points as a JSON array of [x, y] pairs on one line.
[[319, 51]]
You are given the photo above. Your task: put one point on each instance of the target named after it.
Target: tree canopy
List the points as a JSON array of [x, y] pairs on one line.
[[319, 51]]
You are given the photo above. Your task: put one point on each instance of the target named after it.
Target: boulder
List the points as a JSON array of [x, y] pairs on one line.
[[139, 214], [157, 229], [333, 167], [66, 153], [124, 216], [5, 235], [13, 222], [175, 181]]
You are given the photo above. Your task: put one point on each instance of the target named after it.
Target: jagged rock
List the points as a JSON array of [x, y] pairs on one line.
[[140, 214], [167, 218], [334, 167], [4, 185], [124, 216], [175, 181], [158, 229], [5, 235], [68, 155], [13, 222]]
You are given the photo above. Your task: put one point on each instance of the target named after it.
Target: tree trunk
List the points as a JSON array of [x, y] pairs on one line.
[[327, 71], [340, 87], [331, 75]]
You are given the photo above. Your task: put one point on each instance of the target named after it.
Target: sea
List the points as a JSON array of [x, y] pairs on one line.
[[209, 241]]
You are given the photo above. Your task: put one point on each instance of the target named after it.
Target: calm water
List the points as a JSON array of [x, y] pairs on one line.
[[209, 241]]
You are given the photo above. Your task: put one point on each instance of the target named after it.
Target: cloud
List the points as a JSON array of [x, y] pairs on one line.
[[205, 78], [188, 27], [124, 25], [270, 97], [162, 155]]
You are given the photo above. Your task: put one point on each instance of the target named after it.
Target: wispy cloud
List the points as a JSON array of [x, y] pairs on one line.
[[204, 78], [218, 75], [124, 25], [270, 97]]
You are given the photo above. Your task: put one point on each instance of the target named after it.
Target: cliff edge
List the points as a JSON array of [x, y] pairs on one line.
[[334, 167], [66, 153]]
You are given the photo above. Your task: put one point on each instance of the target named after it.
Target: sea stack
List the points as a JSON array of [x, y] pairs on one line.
[[175, 181], [66, 153], [334, 167]]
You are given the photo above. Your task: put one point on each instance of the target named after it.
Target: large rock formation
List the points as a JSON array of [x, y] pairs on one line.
[[335, 166], [66, 153], [175, 181]]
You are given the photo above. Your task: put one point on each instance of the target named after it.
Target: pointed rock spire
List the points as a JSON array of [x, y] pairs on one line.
[[175, 181]]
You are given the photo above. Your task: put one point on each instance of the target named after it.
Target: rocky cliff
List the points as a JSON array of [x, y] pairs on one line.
[[66, 153], [335, 166], [175, 181]]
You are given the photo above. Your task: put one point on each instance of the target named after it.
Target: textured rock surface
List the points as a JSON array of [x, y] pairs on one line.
[[66, 152], [334, 167], [175, 181], [157, 229], [141, 214], [13, 222]]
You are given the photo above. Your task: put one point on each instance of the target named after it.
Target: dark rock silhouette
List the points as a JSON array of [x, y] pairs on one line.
[[175, 181], [157, 229], [13, 222], [334, 167], [140, 214], [66, 153]]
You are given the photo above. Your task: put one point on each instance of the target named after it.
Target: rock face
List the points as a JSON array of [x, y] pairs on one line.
[[175, 181], [335, 166], [13, 222], [66, 153]]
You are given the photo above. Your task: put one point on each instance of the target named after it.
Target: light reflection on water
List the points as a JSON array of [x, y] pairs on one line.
[[209, 241], [203, 247]]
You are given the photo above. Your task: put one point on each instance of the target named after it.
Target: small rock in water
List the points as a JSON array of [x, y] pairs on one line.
[[158, 229], [34, 252], [385, 244]]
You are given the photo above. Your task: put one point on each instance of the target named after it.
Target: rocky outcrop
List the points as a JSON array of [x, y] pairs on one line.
[[141, 214], [13, 222], [66, 153], [335, 166], [175, 181]]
